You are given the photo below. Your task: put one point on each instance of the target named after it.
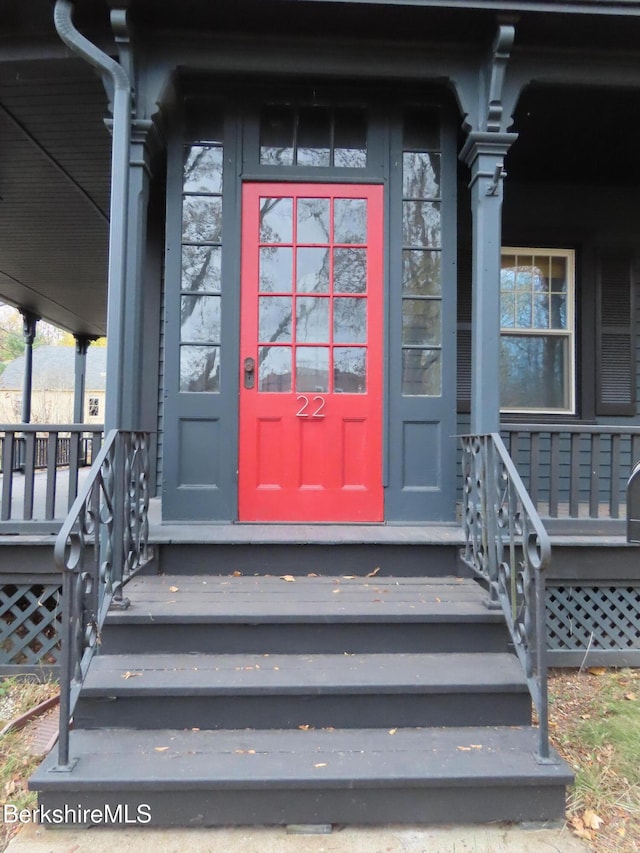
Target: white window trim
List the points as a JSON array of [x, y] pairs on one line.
[[568, 333]]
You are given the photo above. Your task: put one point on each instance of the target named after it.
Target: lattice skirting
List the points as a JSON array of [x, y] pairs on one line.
[[596, 624], [30, 616]]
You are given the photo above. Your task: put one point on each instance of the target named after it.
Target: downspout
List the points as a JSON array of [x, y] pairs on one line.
[[121, 134]]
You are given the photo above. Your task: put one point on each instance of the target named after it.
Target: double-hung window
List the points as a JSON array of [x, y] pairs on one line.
[[537, 330]]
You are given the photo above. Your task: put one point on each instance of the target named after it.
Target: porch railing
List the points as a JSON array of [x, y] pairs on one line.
[[576, 474], [101, 545], [40, 468], [507, 546]]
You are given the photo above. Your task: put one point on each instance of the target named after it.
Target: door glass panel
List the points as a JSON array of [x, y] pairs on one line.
[[274, 318], [199, 368], [313, 220], [350, 370], [350, 220], [421, 224], [276, 269], [350, 270], [276, 136], [274, 369], [421, 273], [203, 169], [312, 270], [312, 369], [202, 219], [314, 136], [350, 320], [201, 268], [312, 320], [422, 372], [200, 318], [421, 321], [420, 174], [275, 220]]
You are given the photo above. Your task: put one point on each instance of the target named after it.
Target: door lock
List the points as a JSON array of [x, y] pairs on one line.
[[249, 373]]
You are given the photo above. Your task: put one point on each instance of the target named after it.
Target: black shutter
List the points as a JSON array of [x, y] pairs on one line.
[[616, 368], [464, 322]]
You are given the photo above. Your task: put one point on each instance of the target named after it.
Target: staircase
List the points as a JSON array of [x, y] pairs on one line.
[[263, 699]]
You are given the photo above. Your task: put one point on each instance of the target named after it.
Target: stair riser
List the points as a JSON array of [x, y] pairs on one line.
[[346, 710], [301, 559], [304, 638], [179, 806]]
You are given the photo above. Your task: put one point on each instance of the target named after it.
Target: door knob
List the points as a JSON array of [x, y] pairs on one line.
[[249, 373]]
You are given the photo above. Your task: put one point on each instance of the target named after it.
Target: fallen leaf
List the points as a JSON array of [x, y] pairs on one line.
[[336, 590], [321, 764], [237, 574], [597, 670], [161, 748], [476, 746], [288, 578], [312, 575], [304, 727], [392, 731], [631, 697], [591, 820], [349, 577], [464, 748], [174, 589], [374, 572], [128, 674], [251, 752]]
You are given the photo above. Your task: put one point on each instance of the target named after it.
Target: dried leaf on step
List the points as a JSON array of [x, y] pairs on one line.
[[288, 578], [128, 674], [597, 670], [374, 572], [304, 727], [321, 764], [312, 575], [349, 577], [161, 748], [592, 820], [237, 574], [464, 748], [174, 589], [392, 731]]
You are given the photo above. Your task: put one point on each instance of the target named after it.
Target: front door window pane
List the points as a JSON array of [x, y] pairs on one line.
[[202, 268], [350, 270], [274, 369], [312, 270], [274, 314], [350, 320], [350, 370], [312, 369], [350, 220], [313, 220], [314, 136], [312, 320], [202, 219], [275, 220], [199, 368], [276, 269]]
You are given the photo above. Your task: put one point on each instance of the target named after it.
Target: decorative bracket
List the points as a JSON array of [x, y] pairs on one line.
[[495, 72]]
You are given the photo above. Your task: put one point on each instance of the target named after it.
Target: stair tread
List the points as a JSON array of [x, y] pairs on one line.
[[184, 674], [256, 759], [219, 598]]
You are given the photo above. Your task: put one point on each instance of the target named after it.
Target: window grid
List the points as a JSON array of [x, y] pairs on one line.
[[201, 263], [537, 327]]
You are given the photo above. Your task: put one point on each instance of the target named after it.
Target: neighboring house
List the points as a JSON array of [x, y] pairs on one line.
[[334, 237], [53, 386]]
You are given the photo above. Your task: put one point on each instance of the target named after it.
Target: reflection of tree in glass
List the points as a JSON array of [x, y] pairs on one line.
[[200, 369], [203, 169]]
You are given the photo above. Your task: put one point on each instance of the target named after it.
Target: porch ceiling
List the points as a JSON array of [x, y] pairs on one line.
[[54, 190]]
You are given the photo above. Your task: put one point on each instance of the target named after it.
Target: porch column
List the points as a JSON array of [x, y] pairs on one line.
[[29, 323], [134, 388], [82, 345], [484, 153]]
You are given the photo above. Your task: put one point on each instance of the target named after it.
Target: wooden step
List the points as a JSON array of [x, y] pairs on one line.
[[285, 691], [258, 614], [208, 778]]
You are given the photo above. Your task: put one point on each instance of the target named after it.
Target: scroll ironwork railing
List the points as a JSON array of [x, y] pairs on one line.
[[507, 546], [101, 545]]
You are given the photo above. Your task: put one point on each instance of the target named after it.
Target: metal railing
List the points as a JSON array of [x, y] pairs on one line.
[[39, 470], [507, 546], [575, 472], [101, 545]]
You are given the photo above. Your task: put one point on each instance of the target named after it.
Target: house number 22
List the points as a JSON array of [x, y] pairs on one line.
[[317, 400]]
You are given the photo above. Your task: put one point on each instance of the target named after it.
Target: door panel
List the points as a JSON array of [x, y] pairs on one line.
[[311, 353]]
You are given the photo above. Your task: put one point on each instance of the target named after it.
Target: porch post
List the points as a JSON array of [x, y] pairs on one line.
[[484, 153], [82, 345], [134, 388], [29, 322]]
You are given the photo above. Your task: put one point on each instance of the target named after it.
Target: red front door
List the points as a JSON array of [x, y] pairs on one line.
[[311, 353]]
